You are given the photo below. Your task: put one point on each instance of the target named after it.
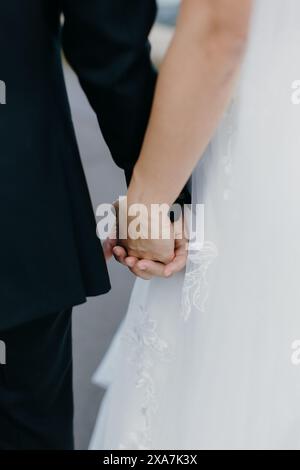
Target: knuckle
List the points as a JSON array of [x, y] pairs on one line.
[[168, 258]]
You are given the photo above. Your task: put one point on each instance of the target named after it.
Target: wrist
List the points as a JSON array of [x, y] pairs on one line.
[[147, 189]]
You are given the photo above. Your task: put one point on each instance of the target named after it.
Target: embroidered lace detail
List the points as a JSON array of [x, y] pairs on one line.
[[196, 289], [147, 348]]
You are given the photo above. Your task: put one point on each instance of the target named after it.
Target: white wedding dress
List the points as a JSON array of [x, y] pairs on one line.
[[204, 360]]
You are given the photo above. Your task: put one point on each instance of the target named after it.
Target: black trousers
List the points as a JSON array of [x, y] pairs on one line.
[[36, 391]]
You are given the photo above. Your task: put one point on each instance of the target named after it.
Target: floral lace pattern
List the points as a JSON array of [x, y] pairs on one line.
[[146, 349], [195, 289]]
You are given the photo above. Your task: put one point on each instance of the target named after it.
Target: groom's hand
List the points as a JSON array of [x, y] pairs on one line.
[[147, 269]]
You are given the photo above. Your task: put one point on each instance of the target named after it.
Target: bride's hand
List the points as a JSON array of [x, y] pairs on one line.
[[144, 237], [149, 244], [154, 258], [142, 234], [149, 237]]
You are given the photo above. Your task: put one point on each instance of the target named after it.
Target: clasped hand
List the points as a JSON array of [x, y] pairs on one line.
[[149, 256]]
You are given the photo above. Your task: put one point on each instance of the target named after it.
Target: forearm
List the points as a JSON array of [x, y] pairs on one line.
[[194, 88]]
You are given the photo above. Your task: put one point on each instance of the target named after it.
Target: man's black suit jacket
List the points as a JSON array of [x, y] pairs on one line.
[[50, 257]]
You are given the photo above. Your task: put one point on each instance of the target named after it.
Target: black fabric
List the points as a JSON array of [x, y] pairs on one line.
[[50, 257], [36, 398]]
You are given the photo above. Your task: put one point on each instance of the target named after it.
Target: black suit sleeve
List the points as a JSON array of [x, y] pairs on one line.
[[106, 42]]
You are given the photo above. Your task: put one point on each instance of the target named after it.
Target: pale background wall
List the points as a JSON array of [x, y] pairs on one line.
[[96, 322]]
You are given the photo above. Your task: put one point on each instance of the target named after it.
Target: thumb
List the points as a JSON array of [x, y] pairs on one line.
[[108, 247], [110, 243]]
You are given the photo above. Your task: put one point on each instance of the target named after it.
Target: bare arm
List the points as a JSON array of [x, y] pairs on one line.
[[194, 88]]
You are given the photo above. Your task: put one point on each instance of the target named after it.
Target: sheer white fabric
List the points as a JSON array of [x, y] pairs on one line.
[[203, 360]]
